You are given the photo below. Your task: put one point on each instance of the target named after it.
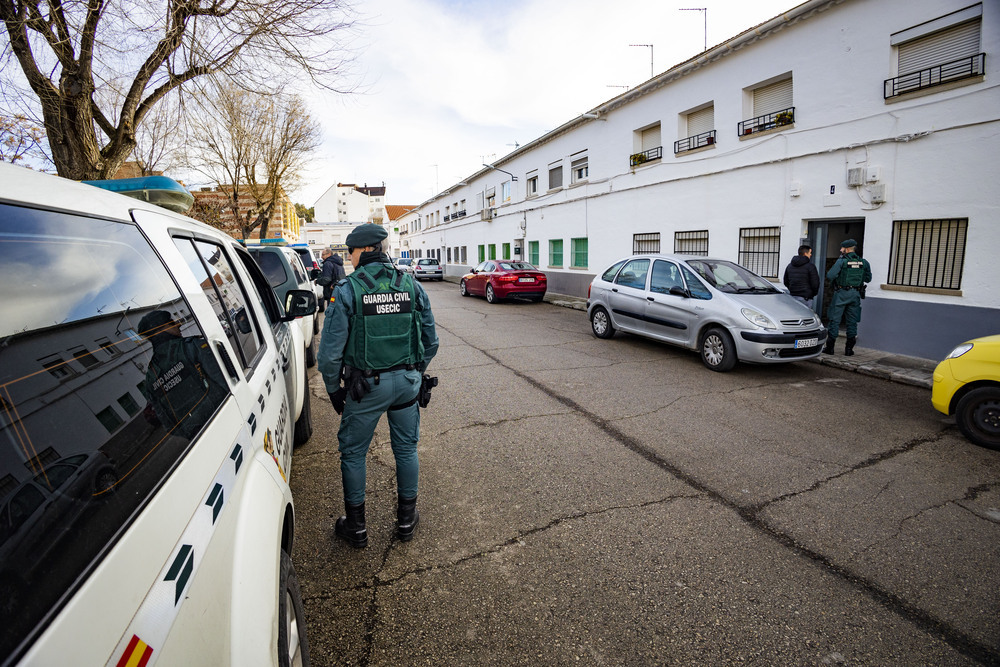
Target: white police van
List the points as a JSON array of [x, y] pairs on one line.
[[151, 391]]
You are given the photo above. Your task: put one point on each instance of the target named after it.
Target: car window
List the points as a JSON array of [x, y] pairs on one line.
[[633, 274], [272, 266], [298, 268], [102, 425], [696, 288], [665, 275], [427, 262], [732, 278], [609, 275], [490, 267]]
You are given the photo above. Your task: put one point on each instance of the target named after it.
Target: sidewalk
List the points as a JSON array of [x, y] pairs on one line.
[[893, 367]]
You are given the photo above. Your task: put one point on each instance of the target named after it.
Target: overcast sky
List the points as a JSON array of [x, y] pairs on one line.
[[445, 85]]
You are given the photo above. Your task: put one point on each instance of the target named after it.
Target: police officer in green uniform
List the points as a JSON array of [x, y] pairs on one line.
[[183, 381], [378, 338], [849, 276]]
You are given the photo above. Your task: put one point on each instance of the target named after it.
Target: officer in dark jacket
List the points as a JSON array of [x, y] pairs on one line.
[[378, 337], [333, 273], [849, 276], [801, 277]]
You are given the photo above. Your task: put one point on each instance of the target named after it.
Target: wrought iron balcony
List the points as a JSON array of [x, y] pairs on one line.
[[956, 70], [646, 156], [697, 141], [768, 121]]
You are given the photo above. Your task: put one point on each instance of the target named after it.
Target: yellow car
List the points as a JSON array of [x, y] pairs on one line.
[[967, 385]]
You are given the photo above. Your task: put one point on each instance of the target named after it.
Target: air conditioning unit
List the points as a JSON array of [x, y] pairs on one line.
[[856, 177], [486, 214], [878, 193]]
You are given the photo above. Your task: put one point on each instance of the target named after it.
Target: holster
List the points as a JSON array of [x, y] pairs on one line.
[[424, 395], [355, 383]]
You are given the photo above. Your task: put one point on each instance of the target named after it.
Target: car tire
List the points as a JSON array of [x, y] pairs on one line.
[[104, 483], [491, 296], [311, 353], [463, 289], [315, 326], [718, 352], [978, 417], [600, 323], [304, 424], [293, 647]]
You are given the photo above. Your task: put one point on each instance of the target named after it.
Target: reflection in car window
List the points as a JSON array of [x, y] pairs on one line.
[[211, 267], [79, 456], [609, 275], [272, 266], [732, 278], [633, 274], [695, 286], [298, 269]]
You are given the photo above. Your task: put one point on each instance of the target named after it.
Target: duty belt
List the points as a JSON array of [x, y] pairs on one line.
[[840, 287], [398, 367]]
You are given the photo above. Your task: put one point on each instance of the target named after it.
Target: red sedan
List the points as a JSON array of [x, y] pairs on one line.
[[498, 279]]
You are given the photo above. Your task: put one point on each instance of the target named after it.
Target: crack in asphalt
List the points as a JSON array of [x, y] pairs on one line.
[[867, 463], [927, 622], [377, 582], [511, 420]]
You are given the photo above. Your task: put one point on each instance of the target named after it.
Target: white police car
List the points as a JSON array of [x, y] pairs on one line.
[[151, 391]]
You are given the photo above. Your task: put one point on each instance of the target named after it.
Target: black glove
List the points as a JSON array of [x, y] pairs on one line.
[[424, 395], [338, 398]]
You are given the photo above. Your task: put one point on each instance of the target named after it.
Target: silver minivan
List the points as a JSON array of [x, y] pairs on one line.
[[716, 307]]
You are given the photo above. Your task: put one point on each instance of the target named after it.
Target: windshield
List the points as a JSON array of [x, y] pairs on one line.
[[427, 262], [516, 266], [731, 278], [405, 261]]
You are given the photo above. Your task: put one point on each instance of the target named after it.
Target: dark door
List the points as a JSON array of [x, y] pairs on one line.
[[825, 236]]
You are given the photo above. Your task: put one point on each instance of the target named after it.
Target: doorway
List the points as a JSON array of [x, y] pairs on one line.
[[825, 237]]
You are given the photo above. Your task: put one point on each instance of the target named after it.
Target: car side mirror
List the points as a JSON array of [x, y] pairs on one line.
[[314, 274], [680, 291], [474, 271], [299, 303]]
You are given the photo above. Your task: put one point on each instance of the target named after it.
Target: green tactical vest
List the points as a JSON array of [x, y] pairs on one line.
[[852, 271], [385, 326]]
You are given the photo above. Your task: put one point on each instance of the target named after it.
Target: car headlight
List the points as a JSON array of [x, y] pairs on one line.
[[758, 319], [959, 351]]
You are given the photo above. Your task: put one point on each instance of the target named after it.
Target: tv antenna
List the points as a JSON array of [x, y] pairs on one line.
[[705, 14]]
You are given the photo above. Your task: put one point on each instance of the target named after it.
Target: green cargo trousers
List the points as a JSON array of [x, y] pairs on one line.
[[844, 301], [357, 427]]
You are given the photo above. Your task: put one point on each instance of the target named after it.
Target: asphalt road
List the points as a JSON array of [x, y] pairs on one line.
[[598, 502]]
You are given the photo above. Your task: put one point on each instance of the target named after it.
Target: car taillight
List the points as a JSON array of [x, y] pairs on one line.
[[506, 278], [588, 290]]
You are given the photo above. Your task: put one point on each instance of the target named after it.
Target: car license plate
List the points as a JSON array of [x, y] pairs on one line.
[[806, 342], [525, 280]]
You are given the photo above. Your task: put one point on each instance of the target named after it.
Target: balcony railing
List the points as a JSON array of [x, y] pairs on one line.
[[646, 156], [768, 121], [956, 70], [697, 141]]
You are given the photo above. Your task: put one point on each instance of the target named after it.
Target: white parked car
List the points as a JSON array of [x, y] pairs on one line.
[[724, 311], [154, 388]]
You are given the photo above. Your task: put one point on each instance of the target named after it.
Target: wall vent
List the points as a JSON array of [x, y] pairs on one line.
[[856, 177]]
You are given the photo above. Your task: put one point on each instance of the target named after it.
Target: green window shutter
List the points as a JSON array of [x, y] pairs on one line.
[[579, 253], [506, 251], [533, 252], [482, 254], [493, 251], [556, 252]]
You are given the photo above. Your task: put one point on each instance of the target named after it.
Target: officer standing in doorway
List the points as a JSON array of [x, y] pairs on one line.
[[378, 338], [849, 276]]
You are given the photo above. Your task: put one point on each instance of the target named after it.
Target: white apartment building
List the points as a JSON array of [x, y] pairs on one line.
[[878, 121], [348, 204]]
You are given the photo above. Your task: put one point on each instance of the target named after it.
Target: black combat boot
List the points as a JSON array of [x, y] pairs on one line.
[[351, 527], [830, 342], [407, 518], [849, 348]]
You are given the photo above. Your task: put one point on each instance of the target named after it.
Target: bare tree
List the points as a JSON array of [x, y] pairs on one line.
[[71, 53], [159, 139], [254, 147], [21, 140]]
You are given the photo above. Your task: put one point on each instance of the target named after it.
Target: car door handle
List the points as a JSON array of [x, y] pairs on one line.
[[649, 298], [226, 361], [614, 289]]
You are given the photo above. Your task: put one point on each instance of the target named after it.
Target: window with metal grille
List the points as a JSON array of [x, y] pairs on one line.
[[691, 243], [928, 253], [643, 244], [759, 250], [941, 51]]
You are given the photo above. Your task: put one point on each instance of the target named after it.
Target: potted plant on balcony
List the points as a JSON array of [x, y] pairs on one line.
[[783, 118]]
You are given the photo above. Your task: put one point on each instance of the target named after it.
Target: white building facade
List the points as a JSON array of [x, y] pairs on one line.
[[877, 121], [349, 205]]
